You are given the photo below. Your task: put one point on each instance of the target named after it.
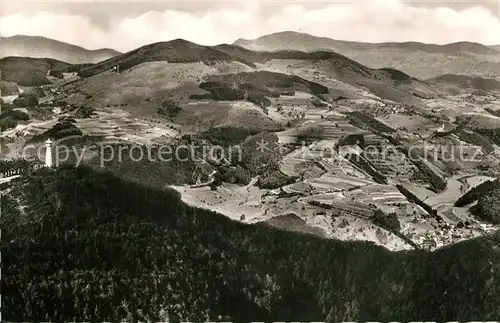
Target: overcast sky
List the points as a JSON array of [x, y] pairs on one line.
[[125, 25]]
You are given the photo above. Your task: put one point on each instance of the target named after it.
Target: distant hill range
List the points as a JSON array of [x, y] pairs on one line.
[[466, 82], [416, 59], [41, 47]]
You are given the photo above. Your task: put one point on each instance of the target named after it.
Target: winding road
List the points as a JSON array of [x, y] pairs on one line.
[[211, 179]]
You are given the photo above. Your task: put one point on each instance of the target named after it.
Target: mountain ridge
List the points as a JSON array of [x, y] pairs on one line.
[[417, 59], [466, 81], [460, 45], [183, 51], [338, 66], [43, 47], [177, 50]]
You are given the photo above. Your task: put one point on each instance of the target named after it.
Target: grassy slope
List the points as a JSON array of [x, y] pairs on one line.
[[292, 222], [176, 51], [102, 249]]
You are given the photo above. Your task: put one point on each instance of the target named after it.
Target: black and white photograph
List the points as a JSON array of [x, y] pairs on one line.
[[250, 161]]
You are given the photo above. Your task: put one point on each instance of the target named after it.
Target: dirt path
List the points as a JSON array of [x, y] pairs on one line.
[[211, 179]]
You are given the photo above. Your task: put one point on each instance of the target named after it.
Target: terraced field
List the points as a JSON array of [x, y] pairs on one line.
[[290, 162], [339, 203], [378, 194], [336, 182], [387, 159]]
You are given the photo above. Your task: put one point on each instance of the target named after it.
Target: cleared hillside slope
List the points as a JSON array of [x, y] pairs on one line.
[[175, 51]]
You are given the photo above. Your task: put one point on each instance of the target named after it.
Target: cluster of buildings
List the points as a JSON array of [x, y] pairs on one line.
[[442, 237]]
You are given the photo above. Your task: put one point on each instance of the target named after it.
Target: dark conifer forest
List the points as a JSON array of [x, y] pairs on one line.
[[82, 245]]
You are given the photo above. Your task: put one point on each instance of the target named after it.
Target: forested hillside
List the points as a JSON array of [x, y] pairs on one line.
[[486, 195], [27, 71], [79, 245]]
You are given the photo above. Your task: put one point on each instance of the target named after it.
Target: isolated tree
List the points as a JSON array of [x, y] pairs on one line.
[[84, 112], [26, 100], [169, 108], [7, 123], [388, 221]]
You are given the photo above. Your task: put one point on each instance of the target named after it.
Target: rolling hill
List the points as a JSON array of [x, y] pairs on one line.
[[290, 40], [175, 51], [27, 71], [387, 83], [417, 59], [41, 47], [467, 82]]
